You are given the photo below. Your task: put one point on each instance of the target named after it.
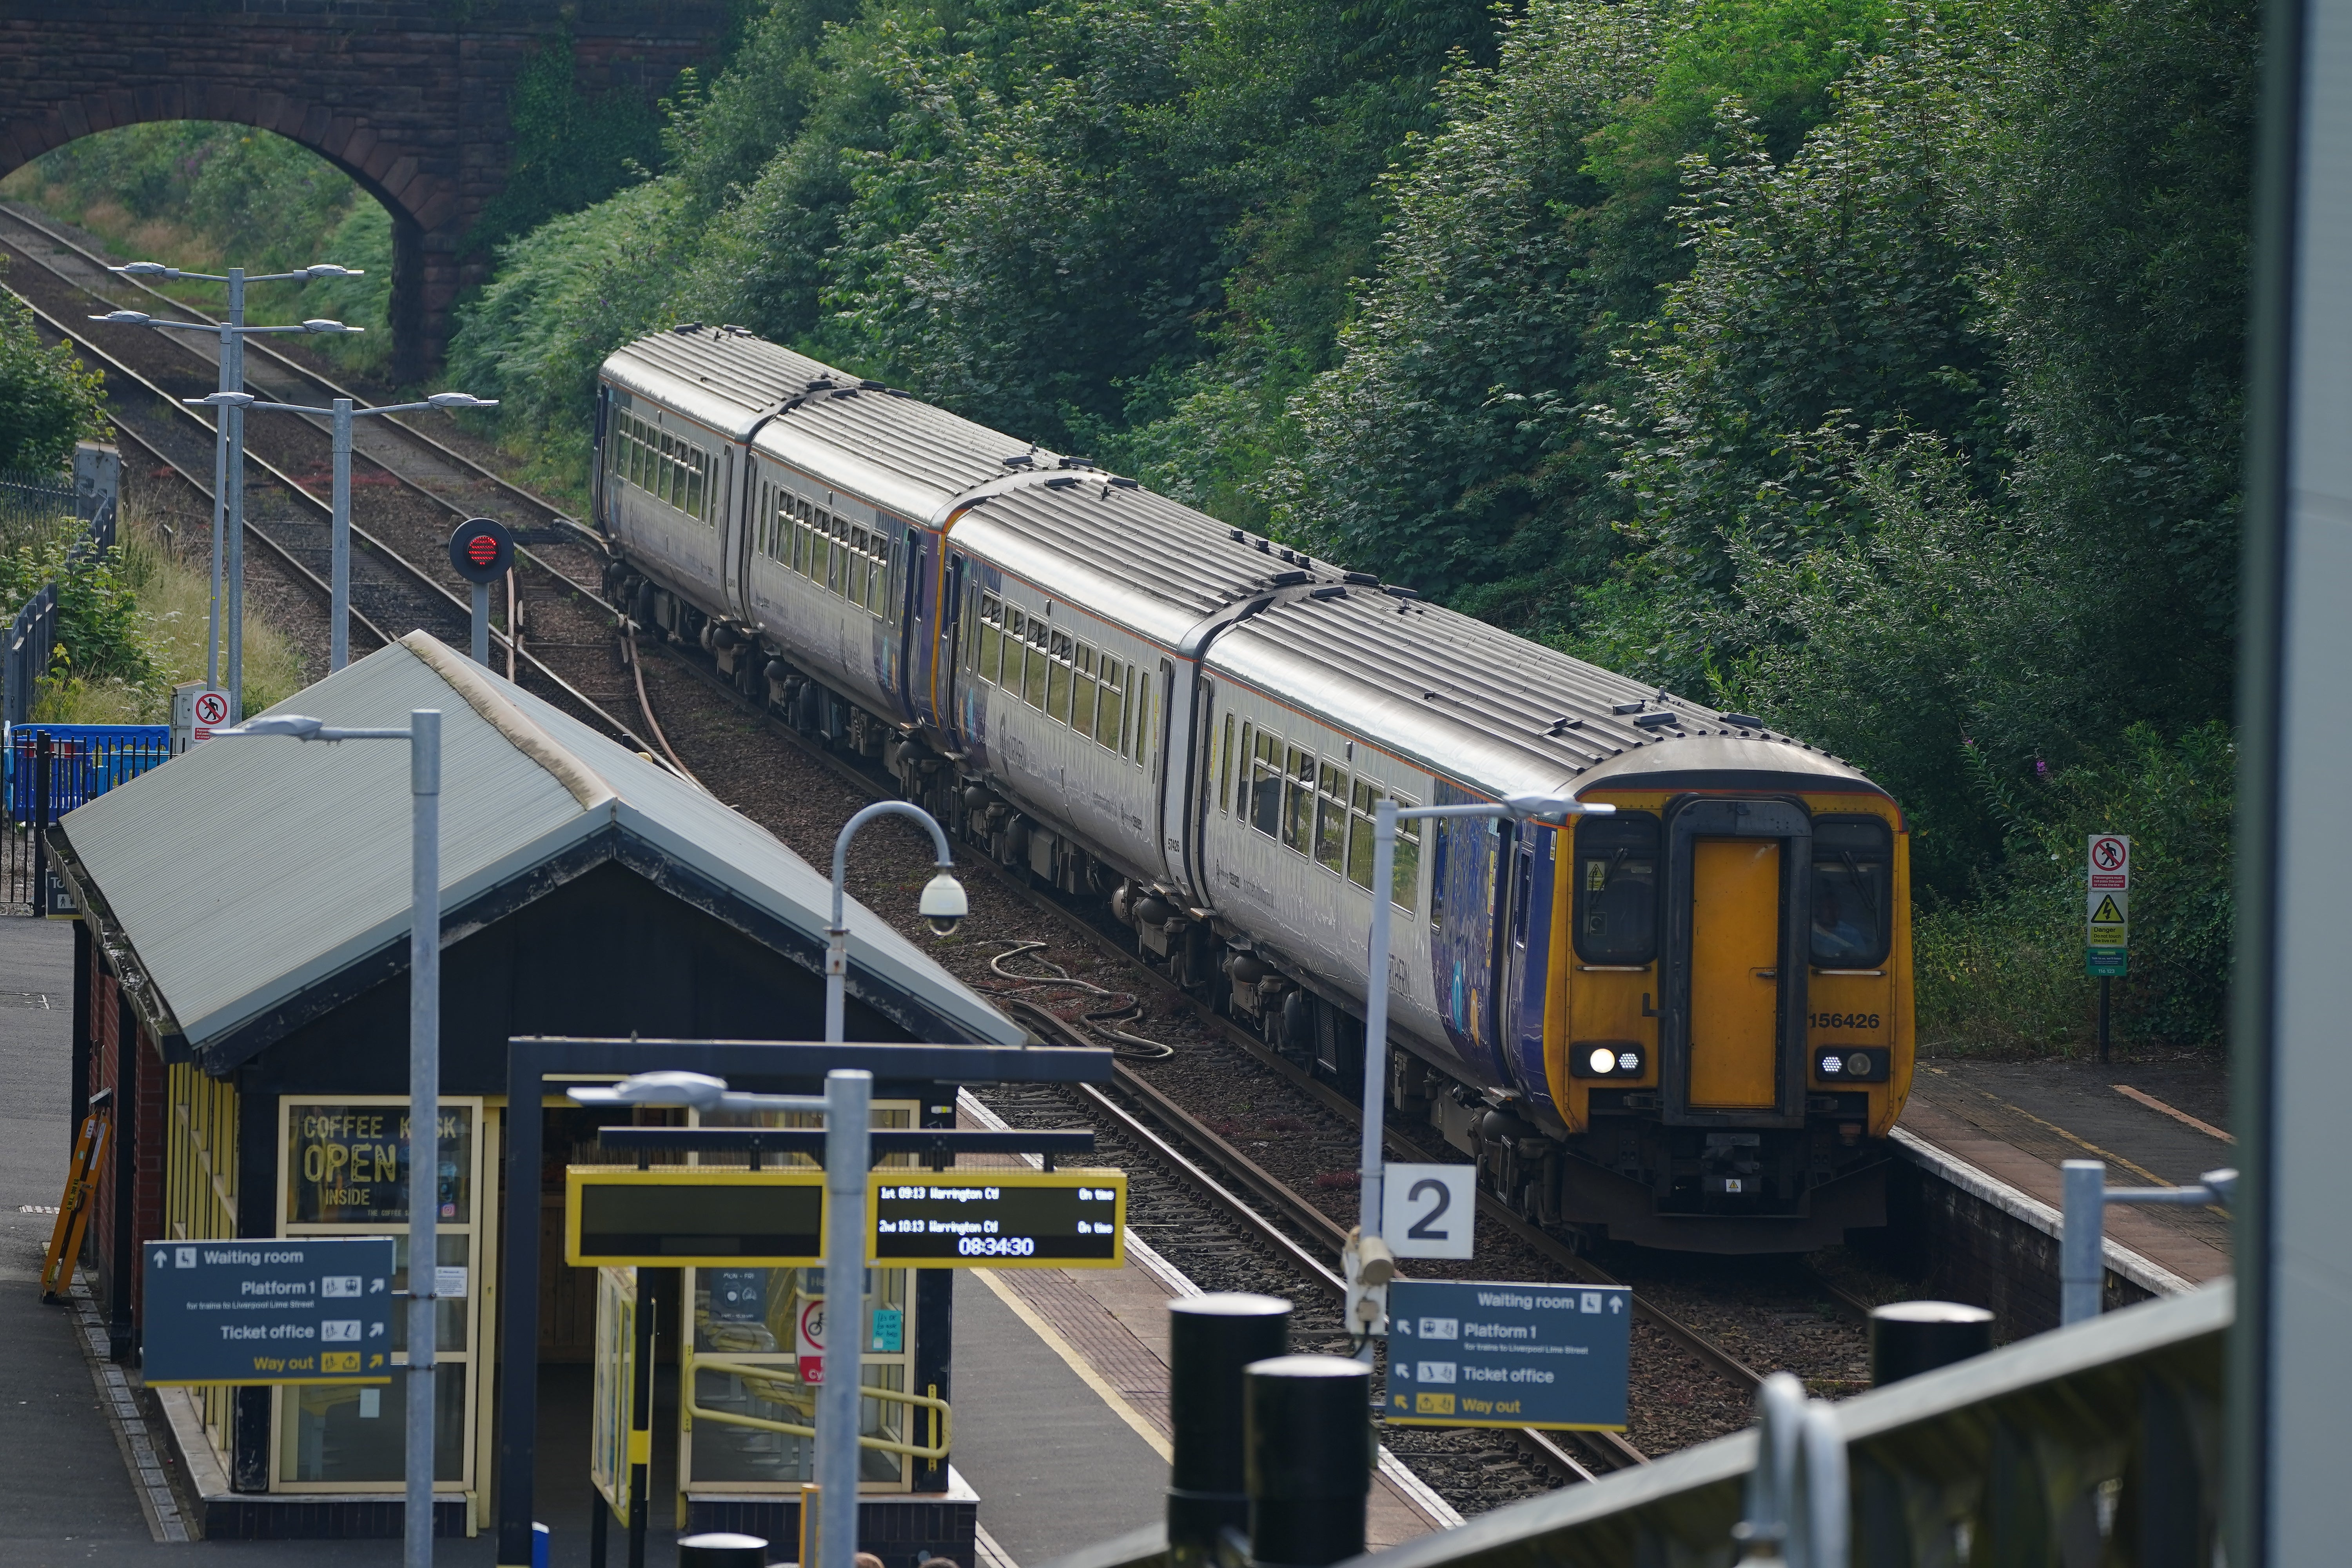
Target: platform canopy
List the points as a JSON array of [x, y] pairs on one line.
[[247, 874]]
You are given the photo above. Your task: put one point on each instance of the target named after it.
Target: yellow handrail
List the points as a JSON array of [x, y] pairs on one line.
[[765, 1372]]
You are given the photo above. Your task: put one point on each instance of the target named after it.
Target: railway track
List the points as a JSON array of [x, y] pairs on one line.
[[572, 625]]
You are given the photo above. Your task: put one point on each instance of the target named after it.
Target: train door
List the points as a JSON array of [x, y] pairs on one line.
[[734, 530], [1525, 887], [911, 612], [1737, 918]]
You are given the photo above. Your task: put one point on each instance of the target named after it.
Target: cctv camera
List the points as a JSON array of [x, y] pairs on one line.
[[943, 906]]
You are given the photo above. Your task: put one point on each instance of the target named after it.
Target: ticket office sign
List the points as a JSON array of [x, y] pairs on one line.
[[297, 1309], [672, 1216], [1461, 1354], [998, 1219]]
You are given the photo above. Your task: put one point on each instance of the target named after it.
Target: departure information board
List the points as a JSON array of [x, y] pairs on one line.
[[673, 1216], [999, 1219]]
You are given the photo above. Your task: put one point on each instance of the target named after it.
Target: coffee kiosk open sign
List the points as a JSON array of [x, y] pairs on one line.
[[348, 1164]]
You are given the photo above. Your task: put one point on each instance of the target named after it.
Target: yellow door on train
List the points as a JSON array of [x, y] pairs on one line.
[[1735, 978]]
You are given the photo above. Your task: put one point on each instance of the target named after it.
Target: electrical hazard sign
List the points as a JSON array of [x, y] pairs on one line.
[[2106, 935]]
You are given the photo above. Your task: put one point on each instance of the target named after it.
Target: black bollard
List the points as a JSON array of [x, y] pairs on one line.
[[719, 1549], [1309, 1447], [1907, 1337], [1210, 1340]]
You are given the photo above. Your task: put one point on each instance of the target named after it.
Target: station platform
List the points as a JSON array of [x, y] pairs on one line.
[[2154, 1124]]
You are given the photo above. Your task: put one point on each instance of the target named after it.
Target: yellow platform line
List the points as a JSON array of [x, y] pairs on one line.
[[1078, 1363]]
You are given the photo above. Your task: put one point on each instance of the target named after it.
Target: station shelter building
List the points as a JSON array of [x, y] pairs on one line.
[[243, 988]]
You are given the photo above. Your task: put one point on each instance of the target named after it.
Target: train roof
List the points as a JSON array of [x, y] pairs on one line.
[[723, 376], [1498, 712], [1153, 565]]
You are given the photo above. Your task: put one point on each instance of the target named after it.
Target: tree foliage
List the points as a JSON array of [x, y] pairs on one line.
[[48, 400]]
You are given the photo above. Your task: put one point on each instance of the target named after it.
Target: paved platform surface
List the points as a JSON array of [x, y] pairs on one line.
[[2162, 1124]]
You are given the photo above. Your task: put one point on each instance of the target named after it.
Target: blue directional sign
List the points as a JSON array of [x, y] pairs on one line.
[[1461, 1354], [293, 1310]]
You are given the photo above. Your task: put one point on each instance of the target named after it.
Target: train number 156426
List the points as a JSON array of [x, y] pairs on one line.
[[1840, 1020]]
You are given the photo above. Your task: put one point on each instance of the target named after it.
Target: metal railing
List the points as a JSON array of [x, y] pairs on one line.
[[34, 510], [48, 770]]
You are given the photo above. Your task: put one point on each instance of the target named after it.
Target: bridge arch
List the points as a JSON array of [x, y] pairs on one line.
[[407, 97]]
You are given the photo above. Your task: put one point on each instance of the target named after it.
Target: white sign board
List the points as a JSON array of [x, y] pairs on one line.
[[197, 711], [2107, 907], [1429, 1211]]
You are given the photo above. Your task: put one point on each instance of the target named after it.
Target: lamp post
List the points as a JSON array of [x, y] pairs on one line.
[[1366, 1262], [848, 1108], [228, 438], [943, 905], [424, 738], [338, 555]]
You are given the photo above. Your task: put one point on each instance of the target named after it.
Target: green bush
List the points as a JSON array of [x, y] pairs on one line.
[[48, 400]]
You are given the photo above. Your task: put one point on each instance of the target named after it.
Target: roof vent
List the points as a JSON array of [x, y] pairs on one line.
[[1020, 460], [1263, 547], [1559, 725], [1331, 591], [1627, 707], [1286, 553], [1238, 536], [1657, 721], [1743, 720], [1396, 592], [1061, 482], [1286, 579], [1077, 463], [874, 386], [1117, 483], [687, 329], [1361, 578]]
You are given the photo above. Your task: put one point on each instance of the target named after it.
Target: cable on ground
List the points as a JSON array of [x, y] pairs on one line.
[[1124, 1007]]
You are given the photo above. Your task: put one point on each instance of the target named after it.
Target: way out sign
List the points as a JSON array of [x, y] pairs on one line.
[[2107, 927], [1463, 1354], [296, 1310]]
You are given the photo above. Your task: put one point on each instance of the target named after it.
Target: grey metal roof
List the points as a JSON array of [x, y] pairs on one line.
[[250, 871], [1476, 702]]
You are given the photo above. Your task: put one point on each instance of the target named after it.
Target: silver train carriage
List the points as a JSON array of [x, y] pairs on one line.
[[1688, 1025]]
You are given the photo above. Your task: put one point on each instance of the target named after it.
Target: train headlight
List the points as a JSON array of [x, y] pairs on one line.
[[1606, 1058], [1852, 1065], [1858, 1065]]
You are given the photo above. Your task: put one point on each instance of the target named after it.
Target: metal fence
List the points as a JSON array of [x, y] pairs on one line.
[[35, 510], [48, 770]]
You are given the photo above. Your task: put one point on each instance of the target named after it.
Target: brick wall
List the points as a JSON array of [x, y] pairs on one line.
[[409, 97]]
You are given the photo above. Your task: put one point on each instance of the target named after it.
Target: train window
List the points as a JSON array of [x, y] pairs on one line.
[[1082, 693], [693, 482], [1266, 785], [854, 588], [1404, 874], [1853, 885], [1058, 680], [1110, 708], [1032, 684], [1224, 766], [1016, 647], [1616, 911], [1297, 797], [1331, 818], [1242, 791]]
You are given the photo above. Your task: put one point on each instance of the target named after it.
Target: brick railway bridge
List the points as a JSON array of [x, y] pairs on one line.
[[407, 97]]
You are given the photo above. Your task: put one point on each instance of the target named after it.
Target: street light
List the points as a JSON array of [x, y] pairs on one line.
[[848, 1108], [943, 906], [338, 555], [1366, 1261], [228, 438], [424, 736]]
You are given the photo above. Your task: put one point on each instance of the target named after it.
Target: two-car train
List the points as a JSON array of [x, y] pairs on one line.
[[1688, 1024]]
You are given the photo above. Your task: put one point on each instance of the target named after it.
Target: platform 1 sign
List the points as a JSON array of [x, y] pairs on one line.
[[999, 1219], [295, 1310], [2106, 931], [675, 1215], [1463, 1354]]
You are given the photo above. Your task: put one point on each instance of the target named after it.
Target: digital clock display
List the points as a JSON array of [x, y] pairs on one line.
[[997, 1219]]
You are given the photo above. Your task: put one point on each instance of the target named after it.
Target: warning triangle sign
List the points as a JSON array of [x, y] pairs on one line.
[[2106, 914]]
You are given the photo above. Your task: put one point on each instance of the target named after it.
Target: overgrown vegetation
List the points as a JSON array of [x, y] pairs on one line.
[[48, 400], [1870, 364], [202, 196]]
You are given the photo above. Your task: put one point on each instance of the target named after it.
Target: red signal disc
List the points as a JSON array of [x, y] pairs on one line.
[[482, 550]]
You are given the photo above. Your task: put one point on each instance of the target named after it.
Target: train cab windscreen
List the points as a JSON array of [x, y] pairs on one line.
[[1852, 887], [1616, 914]]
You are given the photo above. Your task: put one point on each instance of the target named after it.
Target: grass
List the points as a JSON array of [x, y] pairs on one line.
[[2000, 978], [174, 596]]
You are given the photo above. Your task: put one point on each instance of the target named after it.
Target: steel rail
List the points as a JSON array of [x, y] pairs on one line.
[[115, 366]]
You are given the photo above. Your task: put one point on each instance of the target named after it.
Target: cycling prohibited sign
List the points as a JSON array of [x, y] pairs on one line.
[[1429, 1211], [2107, 939]]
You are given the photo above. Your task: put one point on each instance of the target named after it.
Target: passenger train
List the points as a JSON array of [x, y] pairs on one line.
[[1686, 1024]]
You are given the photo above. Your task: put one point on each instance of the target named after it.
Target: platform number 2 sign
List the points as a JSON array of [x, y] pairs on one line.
[[1430, 1211]]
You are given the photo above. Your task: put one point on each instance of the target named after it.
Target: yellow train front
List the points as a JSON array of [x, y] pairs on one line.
[[1729, 1033]]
